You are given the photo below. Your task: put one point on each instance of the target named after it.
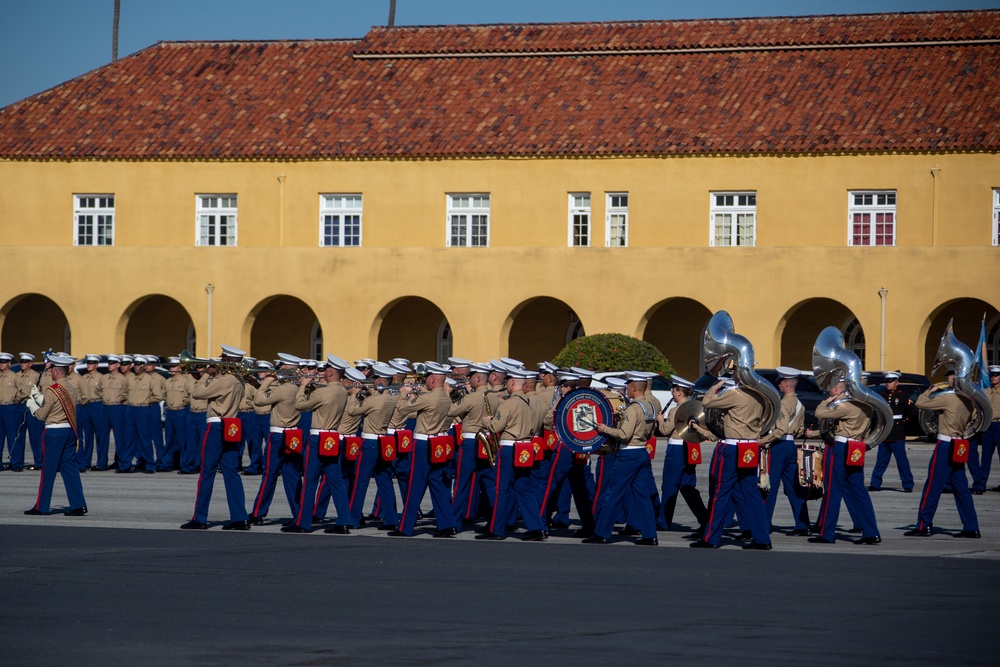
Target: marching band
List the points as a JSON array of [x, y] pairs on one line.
[[498, 445]]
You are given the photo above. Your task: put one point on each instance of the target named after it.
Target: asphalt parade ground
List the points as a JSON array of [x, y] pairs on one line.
[[123, 585]]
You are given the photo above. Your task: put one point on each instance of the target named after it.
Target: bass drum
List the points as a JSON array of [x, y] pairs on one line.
[[577, 416]]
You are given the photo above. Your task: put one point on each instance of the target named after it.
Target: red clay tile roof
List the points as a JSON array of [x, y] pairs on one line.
[[906, 82]]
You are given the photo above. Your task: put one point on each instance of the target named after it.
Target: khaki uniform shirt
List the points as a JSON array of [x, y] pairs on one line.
[[538, 411], [11, 389], [223, 393], [398, 419], [993, 393], [74, 379], [91, 386], [249, 392], [634, 430], [431, 411], [45, 380], [52, 411], [791, 420], [198, 404], [653, 400], [140, 390], [471, 410], [28, 379], [513, 419], [114, 390], [377, 410], [852, 420], [493, 394], [158, 386], [281, 398], [953, 414], [327, 403], [178, 388], [741, 419]]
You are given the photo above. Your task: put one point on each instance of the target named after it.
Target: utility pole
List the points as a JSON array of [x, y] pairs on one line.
[[392, 12], [114, 32]]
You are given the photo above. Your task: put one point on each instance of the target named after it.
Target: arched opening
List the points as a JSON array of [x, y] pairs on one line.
[[284, 324], [967, 315], [32, 323], [540, 328], [807, 319], [413, 328], [158, 325], [316, 341], [993, 342], [676, 326]]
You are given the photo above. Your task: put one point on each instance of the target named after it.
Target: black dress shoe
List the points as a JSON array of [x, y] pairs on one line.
[[468, 522], [339, 530], [820, 540], [696, 535], [702, 544], [758, 546], [150, 472], [120, 471], [910, 490], [648, 542], [874, 488], [250, 473], [533, 536], [559, 525], [629, 531], [78, 511], [17, 469], [255, 520], [293, 528], [387, 527], [583, 532], [487, 536], [595, 539], [801, 532], [237, 525], [395, 533], [745, 535], [976, 492], [446, 532], [974, 534], [194, 525], [855, 531], [34, 512], [320, 519], [869, 540], [918, 532]]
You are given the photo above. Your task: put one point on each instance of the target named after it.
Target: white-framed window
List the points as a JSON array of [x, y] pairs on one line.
[[93, 219], [216, 219], [340, 220], [444, 342], [469, 220], [616, 229], [854, 338], [579, 219], [575, 328], [996, 216], [734, 219], [871, 218]]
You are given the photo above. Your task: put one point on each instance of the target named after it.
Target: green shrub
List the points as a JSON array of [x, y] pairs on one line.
[[613, 352]]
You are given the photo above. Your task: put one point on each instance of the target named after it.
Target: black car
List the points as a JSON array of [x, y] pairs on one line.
[[807, 391]]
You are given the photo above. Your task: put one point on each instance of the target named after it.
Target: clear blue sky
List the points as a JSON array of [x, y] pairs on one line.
[[46, 42]]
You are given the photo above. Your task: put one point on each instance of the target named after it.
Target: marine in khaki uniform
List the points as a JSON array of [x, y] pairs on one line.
[[92, 418], [177, 401], [741, 417], [57, 410], [779, 444], [138, 431], [32, 427], [631, 472], [430, 409], [279, 460], [327, 403], [841, 480], [114, 396], [12, 396], [678, 475], [514, 422], [223, 391], [154, 413], [953, 420], [474, 476], [990, 438], [197, 423], [377, 410]]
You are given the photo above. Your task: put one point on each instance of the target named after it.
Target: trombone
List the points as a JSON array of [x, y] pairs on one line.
[[241, 368]]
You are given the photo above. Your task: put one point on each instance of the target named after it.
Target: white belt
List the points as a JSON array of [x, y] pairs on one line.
[[634, 447], [510, 443], [279, 429], [788, 436], [468, 436], [675, 441], [214, 420], [390, 431], [48, 426], [425, 436], [897, 417], [733, 441], [369, 436], [945, 438], [317, 431]]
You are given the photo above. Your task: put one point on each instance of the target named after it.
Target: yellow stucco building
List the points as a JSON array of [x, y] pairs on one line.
[[498, 190]]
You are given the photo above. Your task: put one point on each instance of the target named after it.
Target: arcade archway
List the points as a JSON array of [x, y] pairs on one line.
[[803, 324], [967, 315], [284, 324], [158, 325], [415, 329], [540, 328], [33, 323], [676, 326]]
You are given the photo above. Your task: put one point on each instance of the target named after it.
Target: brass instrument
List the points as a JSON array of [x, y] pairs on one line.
[[954, 354], [830, 360], [241, 368], [487, 439]]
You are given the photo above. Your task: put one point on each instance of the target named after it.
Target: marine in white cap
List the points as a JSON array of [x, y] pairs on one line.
[[784, 462], [680, 465], [224, 392], [990, 439], [13, 393], [894, 444], [57, 409], [91, 415]]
